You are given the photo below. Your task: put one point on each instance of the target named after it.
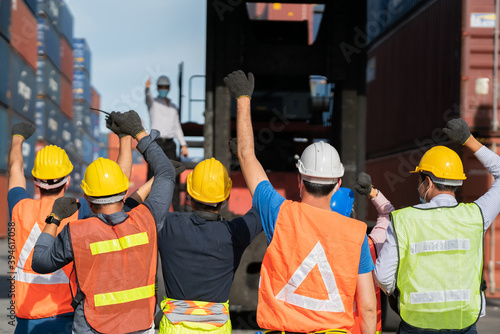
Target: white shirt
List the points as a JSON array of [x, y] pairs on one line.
[[165, 118]]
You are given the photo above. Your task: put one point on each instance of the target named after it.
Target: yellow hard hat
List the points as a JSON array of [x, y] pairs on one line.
[[104, 177], [444, 164], [51, 163], [209, 182]]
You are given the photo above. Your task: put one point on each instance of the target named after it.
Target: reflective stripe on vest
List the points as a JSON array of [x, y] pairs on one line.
[[37, 295], [313, 290], [440, 265], [177, 311], [116, 269]]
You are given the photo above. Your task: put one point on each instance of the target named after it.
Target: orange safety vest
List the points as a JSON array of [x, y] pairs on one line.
[[116, 268], [357, 318], [310, 270], [37, 295]]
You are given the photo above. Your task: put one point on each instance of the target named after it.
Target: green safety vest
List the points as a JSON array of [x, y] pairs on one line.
[[440, 265]]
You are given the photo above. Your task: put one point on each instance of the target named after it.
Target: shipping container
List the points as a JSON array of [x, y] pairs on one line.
[[51, 10], [383, 14], [414, 82], [4, 139], [4, 208], [31, 5], [49, 41], [77, 174], [90, 149], [81, 53], [66, 23], [5, 19], [81, 116], [4, 71], [48, 80], [48, 121], [24, 32], [81, 85], [29, 146], [22, 86], [94, 121], [103, 145], [95, 98], [66, 97], [66, 59]]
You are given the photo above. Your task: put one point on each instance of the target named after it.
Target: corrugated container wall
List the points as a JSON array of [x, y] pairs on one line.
[[95, 98], [4, 71], [5, 19], [4, 139], [66, 58], [477, 64], [81, 53], [65, 25], [22, 86], [48, 80], [413, 77], [23, 32], [66, 97], [49, 42], [51, 9]]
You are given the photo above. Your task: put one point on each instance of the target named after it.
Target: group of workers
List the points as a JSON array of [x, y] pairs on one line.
[[89, 265]]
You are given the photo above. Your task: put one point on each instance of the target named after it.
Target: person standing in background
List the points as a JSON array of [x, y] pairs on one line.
[[165, 117]]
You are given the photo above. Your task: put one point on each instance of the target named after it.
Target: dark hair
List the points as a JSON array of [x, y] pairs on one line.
[[51, 192], [439, 186], [98, 206], [318, 190], [204, 207]]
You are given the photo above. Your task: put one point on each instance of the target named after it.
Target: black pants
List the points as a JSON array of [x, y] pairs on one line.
[[169, 148]]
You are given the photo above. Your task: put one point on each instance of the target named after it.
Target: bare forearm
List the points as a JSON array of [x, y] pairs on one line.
[[16, 163], [124, 159], [473, 144], [367, 303]]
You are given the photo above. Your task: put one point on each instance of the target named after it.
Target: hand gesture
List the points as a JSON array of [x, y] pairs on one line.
[[65, 207], [239, 85]]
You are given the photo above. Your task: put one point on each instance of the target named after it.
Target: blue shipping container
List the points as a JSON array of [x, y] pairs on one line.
[[48, 80], [81, 53], [49, 42], [22, 86], [28, 147], [81, 86], [5, 18], [94, 120], [31, 5], [81, 116], [66, 23], [4, 138], [4, 70], [77, 174], [103, 145], [48, 121], [51, 9], [90, 149]]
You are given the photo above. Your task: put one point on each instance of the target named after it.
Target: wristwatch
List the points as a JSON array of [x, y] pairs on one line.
[[51, 219]]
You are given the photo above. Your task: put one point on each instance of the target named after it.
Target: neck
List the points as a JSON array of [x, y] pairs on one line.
[[109, 209], [434, 192], [317, 202]]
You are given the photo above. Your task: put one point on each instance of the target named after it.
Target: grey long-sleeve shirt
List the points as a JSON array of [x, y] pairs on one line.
[[52, 253], [387, 262]]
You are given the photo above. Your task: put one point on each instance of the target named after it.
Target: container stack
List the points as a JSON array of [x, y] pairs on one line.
[[37, 69]]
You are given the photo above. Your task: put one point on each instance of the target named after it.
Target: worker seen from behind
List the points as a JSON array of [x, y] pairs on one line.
[[317, 259], [114, 252], [432, 261], [40, 301], [200, 252]]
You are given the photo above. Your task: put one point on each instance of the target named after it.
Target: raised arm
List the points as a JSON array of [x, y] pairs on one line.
[[125, 159], [241, 89], [20, 132], [149, 98]]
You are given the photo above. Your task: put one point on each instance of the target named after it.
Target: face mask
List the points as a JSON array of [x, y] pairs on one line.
[[422, 200], [163, 92]]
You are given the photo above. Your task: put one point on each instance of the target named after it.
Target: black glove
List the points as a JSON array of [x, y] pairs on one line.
[[363, 184], [24, 129], [233, 147], [239, 85], [178, 166], [128, 123], [64, 207], [458, 130], [110, 124]]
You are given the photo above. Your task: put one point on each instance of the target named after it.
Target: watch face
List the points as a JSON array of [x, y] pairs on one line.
[[52, 220]]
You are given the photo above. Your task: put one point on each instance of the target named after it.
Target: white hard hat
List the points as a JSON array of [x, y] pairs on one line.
[[163, 80], [320, 163]]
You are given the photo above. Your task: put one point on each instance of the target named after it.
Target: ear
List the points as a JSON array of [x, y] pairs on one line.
[[66, 186], [299, 180]]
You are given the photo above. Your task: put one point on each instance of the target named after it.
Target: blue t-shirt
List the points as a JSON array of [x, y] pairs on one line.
[[268, 202], [17, 194]]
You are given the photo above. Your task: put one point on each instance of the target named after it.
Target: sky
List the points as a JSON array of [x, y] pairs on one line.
[[133, 40]]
